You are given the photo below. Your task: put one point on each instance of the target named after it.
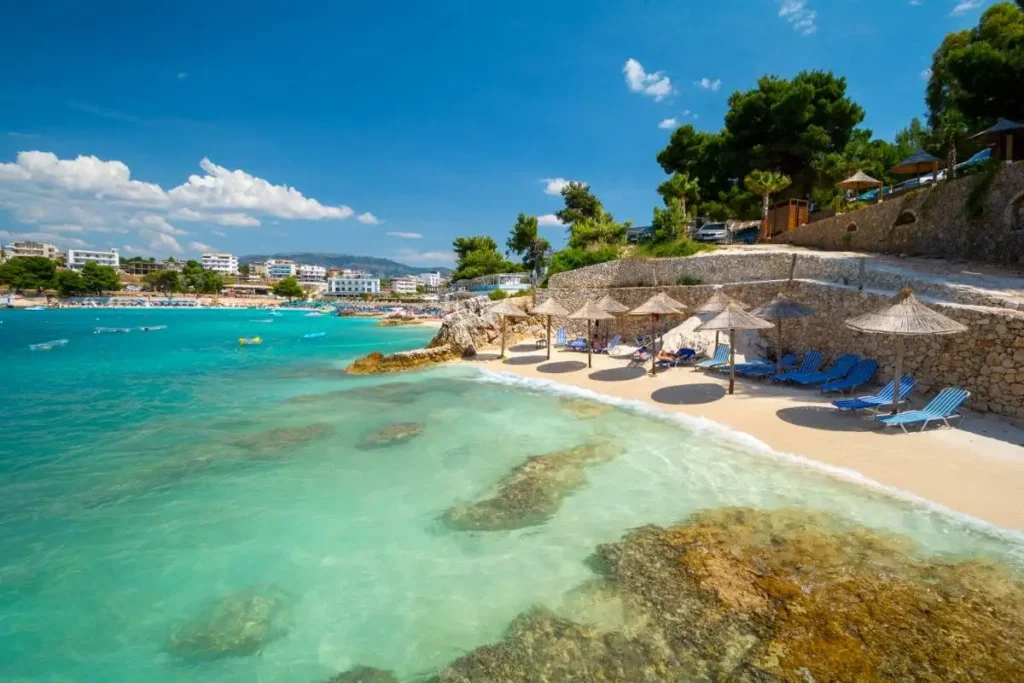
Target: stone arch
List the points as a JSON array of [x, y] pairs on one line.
[[905, 217], [1015, 213]]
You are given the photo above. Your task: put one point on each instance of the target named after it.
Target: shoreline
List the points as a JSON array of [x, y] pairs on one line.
[[977, 472]]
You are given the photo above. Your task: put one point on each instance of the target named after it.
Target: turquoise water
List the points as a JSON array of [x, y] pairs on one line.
[[145, 475]]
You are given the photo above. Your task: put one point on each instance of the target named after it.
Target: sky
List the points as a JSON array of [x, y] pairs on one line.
[[388, 129]]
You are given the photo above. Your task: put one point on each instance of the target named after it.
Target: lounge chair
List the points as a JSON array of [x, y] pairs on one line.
[[944, 406], [810, 364], [721, 356], [862, 373], [880, 400], [840, 368], [642, 340], [762, 367], [610, 346], [678, 358], [640, 357], [578, 344], [561, 338]]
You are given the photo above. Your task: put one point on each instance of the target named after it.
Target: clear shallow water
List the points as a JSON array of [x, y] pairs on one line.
[[144, 475]]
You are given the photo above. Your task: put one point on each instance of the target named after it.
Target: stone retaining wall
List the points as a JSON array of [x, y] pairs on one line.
[[988, 360]]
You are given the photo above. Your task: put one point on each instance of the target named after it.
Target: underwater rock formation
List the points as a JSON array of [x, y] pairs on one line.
[[364, 674], [532, 492], [396, 433], [376, 363], [269, 442], [785, 595], [239, 624], [584, 409]]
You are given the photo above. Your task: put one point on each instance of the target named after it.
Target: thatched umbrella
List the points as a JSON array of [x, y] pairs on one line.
[[861, 181], [918, 163], [591, 311], [778, 309], [1001, 135], [506, 309], [549, 308], [734, 318], [718, 302], [657, 305], [607, 303], [905, 317]]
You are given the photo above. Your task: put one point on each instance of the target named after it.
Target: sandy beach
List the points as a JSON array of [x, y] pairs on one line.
[[977, 469]]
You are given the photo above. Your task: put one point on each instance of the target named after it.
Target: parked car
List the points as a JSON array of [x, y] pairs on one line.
[[716, 233], [747, 235], [639, 233]]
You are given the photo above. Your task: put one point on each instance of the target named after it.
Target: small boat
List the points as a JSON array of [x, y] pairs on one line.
[[46, 346], [152, 328], [36, 308], [112, 330], [314, 335], [249, 341]]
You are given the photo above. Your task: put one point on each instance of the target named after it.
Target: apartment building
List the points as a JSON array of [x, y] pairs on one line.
[[79, 257], [28, 248], [353, 286], [226, 264]]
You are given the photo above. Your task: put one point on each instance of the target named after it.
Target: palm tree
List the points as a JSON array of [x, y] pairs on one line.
[[680, 186], [951, 129], [766, 183]]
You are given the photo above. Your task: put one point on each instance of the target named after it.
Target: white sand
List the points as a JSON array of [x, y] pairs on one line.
[[977, 469]]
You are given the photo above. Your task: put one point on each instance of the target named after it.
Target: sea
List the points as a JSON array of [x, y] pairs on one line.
[[151, 480]]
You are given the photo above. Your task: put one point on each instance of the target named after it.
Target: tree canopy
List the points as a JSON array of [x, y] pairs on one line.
[[98, 279], [477, 256], [28, 272], [166, 281], [289, 287], [525, 241], [69, 283]]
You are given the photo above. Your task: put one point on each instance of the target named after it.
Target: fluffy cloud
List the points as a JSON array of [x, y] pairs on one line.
[[242, 220], [368, 218], [803, 19], [708, 84], [432, 258], [549, 220], [965, 6], [405, 235], [668, 123], [87, 175], [554, 186], [202, 248], [162, 242], [656, 85], [153, 223]]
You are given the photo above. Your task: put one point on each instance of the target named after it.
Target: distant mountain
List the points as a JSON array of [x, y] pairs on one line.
[[378, 266]]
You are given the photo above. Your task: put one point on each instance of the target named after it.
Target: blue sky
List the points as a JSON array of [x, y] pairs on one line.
[[397, 126]]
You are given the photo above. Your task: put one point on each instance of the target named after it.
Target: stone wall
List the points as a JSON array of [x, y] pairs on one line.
[[931, 222], [988, 360]]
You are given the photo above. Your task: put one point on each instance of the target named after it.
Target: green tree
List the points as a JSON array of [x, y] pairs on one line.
[[69, 283], [289, 287], [952, 130], [192, 276], [98, 279], [28, 272], [591, 234], [209, 282], [682, 186], [166, 281], [477, 256], [580, 204], [766, 183], [525, 241], [244, 270], [666, 222]]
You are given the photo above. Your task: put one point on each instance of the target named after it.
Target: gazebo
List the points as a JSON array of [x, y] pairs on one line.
[[778, 309], [506, 309], [905, 317], [549, 308], [590, 311], [919, 163], [734, 318], [658, 305], [1006, 136], [862, 181]]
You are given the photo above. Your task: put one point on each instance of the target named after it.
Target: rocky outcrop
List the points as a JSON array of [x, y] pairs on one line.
[[399, 322], [393, 434], [377, 363], [470, 327], [239, 624], [364, 674], [273, 441]]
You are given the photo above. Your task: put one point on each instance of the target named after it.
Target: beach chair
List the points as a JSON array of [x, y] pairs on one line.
[[721, 356], [610, 346], [811, 363], [578, 344], [561, 338], [880, 400], [944, 406], [640, 357], [679, 357], [862, 373], [840, 368], [761, 368]]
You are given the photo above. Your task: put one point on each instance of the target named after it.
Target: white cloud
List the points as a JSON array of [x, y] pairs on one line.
[[803, 19], [926, 74], [182, 75], [405, 235], [230, 219], [162, 242], [84, 174], [219, 233], [554, 186], [368, 218], [153, 223], [64, 228], [201, 247], [656, 85], [668, 123], [549, 220], [708, 84], [915, 3], [965, 6], [428, 257]]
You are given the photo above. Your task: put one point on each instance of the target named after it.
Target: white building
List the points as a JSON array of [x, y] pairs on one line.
[[431, 279], [222, 263], [353, 286], [31, 249], [312, 274], [79, 257], [404, 285], [279, 269]]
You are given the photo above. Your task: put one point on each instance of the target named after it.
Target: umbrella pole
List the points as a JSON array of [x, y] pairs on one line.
[[732, 360], [502, 336], [899, 375], [549, 337], [716, 339], [778, 346], [654, 347], [590, 346]]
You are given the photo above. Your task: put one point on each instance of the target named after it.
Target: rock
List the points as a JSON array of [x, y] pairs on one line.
[[240, 624], [393, 434], [399, 322], [377, 363], [364, 674], [532, 492], [584, 409], [282, 438], [470, 327]]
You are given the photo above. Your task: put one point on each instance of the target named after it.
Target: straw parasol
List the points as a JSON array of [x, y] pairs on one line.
[[918, 163], [506, 309], [607, 303], [905, 317], [591, 311], [861, 181], [1001, 134], [718, 302], [778, 309], [734, 318], [657, 305], [549, 308]]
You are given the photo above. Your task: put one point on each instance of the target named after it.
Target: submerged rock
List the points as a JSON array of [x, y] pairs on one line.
[[237, 625], [532, 492], [282, 438], [377, 363], [393, 434], [583, 408], [364, 674]]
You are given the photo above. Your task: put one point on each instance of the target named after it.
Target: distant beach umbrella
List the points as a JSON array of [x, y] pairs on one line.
[[658, 305], [1001, 135], [778, 309], [904, 317], [734, 318], [918, 163], [607, 303], [506, 309], [862, 181], [590, 311], [549, 308], [718, 303]]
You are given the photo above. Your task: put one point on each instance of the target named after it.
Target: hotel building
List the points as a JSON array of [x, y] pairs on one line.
[[79, 257], [353, 286], [221, 263]]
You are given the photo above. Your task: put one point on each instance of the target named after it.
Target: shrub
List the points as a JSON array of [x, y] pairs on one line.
[[497, 295], [571, 259], [682, 246], [525, 292]]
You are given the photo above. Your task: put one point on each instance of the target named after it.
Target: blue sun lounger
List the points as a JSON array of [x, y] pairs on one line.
[[561, 337], [765, 368], [944, 406], [721, 356], [880, 400], [681, 356], [862, 373], [812, 361], [612, 343], [839, 369]]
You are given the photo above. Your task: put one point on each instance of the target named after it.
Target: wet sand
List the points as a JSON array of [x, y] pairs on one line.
[[977, 469]]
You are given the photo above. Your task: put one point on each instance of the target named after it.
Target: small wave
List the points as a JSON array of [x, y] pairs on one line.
[[46, 346], [112, 330], [263, 320], [705, 426]]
